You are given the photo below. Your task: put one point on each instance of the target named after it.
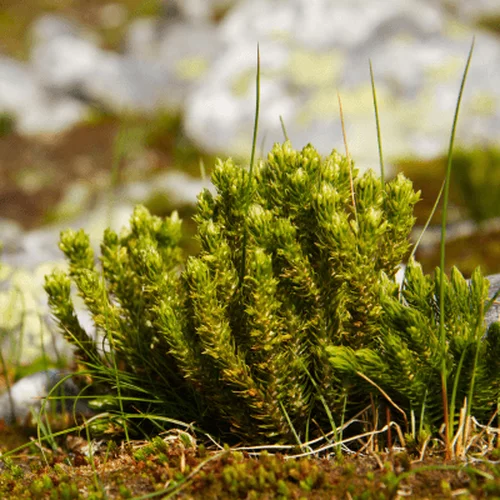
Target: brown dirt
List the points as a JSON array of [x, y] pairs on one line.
[[176, 466]]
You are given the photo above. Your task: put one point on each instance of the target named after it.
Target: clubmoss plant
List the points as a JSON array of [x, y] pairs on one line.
[[407, 360], [193, 340]]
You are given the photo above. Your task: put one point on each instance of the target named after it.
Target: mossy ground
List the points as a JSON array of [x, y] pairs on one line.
[[174, 466]]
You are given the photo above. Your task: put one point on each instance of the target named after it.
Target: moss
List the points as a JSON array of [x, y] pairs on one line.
[[232, 473], [240, 344]]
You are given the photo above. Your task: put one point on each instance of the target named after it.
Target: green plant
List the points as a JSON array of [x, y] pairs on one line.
[[407, 359], [431, 335], [200, 343]]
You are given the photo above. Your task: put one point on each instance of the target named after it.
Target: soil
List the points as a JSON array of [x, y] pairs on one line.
[[175, 466]]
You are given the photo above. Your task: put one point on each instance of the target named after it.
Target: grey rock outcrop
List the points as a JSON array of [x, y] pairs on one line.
[[310, 49], [183, 61], [28, 394], [66, 61], [34, 109]]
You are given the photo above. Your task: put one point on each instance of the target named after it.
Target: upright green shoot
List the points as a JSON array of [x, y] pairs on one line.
[[257, 111], [348, 156], [377, 122], [442, 334], [116, 373], [252, 160], [427, 222], [283, 128]]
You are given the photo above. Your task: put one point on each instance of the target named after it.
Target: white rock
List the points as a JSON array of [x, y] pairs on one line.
[[320, 24], [49, 27], [475, 11], [66, 62], [28, 394], [317, 47], [70, 63], [35, 110], [142, 38], [181, 52], [213, 104]]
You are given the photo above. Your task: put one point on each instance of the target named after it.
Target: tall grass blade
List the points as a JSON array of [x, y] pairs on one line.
[[344, 135], [442, 335], [252, 158], [116, 373], [428, 221], [257, 111], [283, 128], [478, 340], [455, 390], [377, 122]]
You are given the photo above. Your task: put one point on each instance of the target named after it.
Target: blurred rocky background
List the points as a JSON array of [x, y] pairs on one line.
[[107, 104]]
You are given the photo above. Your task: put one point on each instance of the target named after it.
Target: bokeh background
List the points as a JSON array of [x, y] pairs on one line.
[[107, 104]]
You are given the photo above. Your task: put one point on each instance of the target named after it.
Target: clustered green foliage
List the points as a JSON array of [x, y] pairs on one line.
[[406, 359], [292, 294]]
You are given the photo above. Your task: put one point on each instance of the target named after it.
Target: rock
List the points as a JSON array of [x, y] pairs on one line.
[[66, 61], [184, 62], [220, 110], [156, 71], [179, 188], [10, 233], [28, 336], [476, 11], [27, 396], [181, 51], [142, 38], [322, 24], [493, 314], [51, 27], [34, 109], [310, 49]]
